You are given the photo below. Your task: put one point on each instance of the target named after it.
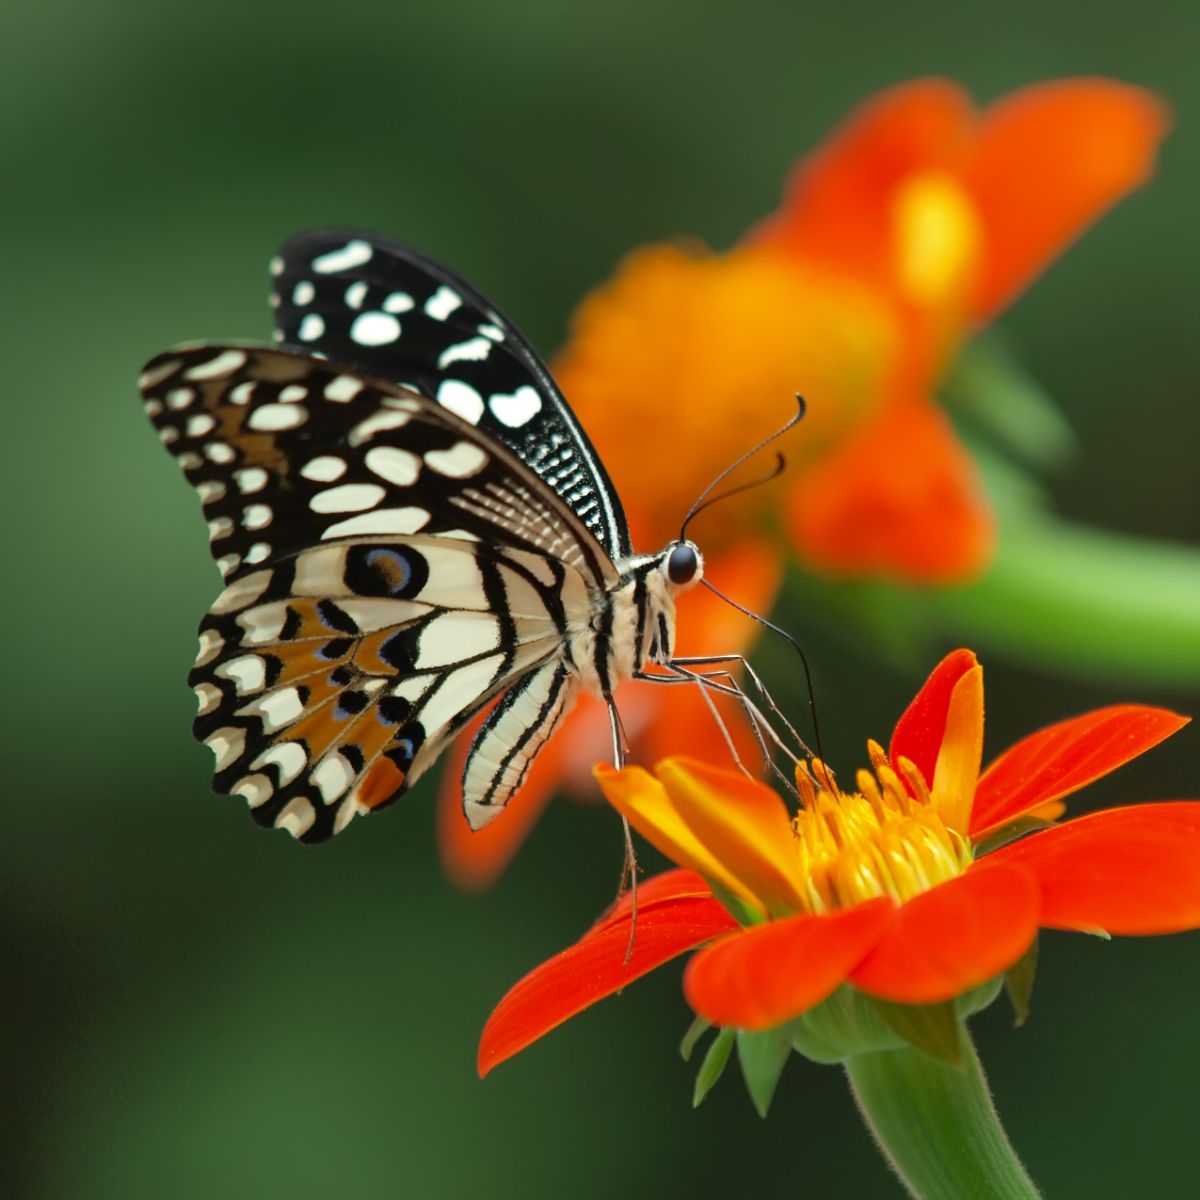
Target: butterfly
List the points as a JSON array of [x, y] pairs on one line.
[[412, 526]]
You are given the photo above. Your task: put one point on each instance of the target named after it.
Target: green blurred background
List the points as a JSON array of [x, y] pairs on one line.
[[194, 1008]]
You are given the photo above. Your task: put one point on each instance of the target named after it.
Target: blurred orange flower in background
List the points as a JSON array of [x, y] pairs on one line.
[[918, 220]]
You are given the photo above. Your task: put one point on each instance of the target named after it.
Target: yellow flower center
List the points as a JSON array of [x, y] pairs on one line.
[[879, 841], [937, 237]]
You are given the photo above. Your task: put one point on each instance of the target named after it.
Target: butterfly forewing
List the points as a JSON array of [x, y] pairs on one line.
[[389, 570], [362, 300]]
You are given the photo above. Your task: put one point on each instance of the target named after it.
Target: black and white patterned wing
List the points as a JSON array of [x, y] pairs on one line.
[[389, 571], [378, 305]]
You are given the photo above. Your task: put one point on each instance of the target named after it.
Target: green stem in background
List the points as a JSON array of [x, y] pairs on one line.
[[937, 1125], [1096, 603]]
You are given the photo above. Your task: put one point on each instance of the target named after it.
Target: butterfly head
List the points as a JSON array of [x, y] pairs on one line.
[[682, 564]]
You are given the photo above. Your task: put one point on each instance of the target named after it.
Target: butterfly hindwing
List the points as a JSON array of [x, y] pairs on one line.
[[414, 570], [378, 305]]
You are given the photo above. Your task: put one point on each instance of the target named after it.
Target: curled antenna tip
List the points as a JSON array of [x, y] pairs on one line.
[[801, 405]]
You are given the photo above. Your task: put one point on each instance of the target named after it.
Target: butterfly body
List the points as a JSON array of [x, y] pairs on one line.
[[411, 527]]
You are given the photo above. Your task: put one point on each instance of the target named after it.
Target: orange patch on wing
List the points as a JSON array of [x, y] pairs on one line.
[[380, 784]]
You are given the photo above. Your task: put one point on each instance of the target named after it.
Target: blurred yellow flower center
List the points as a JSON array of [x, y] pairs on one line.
[[937, 237], [879, 841]]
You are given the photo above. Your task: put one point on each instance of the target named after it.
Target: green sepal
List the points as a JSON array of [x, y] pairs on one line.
[[988, 386], [737, 908], [1018, 983], [696, 1030], [713, 1066], [762, 1056], [933, 1028], [1018, 829], [849, 1023]]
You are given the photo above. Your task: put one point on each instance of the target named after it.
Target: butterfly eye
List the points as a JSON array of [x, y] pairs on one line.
[[683, 564]]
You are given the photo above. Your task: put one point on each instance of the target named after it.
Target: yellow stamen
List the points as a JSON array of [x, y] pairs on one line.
[[883, 840]]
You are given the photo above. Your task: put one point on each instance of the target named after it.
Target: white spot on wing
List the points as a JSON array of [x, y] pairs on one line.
[[219, 452], [397, 466], [473, 350], [352, 254], [258, 552], [272, 417], [311, 327], [375, 329], [242, 393], [245, 591], [227, 745], [248, 673], [225, 363], [292, 393], [462, 399], [323, 469], [277, 265], [209, 489], [383, 520], [251, 479], [303, 292], [277, 709], [442, 303], [200, 424], [349, 497], [398, 302], [289, 757], [517, 409], [256, 516], [387, 418], [255, 789], [211, 644], [178, 398], [154, 375], [296, 817], [342, 388], [332, 776], [460, 461], [355, 294], [207, 698]]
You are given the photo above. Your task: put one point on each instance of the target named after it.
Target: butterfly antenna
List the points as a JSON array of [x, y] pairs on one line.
[[795, 645], [703, 501]]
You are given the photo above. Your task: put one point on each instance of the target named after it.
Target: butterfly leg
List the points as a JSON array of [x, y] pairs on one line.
[[629, 866]]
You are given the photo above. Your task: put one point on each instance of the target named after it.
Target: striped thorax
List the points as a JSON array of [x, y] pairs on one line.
[[633, 623]]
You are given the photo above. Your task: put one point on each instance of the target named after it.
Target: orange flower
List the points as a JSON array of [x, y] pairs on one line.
[[916, 221], [884, 887], [657, 720]]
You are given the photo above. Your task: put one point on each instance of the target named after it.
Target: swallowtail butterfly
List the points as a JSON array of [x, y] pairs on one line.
[[410, 524]]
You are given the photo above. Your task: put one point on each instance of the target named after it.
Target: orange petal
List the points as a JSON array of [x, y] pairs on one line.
[[1062, 758], [919, 732], [838, 206], [648, 807], [742, 824], [1132, 870], [679, 884], [953, 937], [595, 966], [1049, 160], [899, 499], [957, 770], [760, 977], [750, 572], [703, 354]]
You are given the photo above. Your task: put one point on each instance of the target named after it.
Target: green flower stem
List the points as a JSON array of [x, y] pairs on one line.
[[1098, 603], [937, 1125]]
